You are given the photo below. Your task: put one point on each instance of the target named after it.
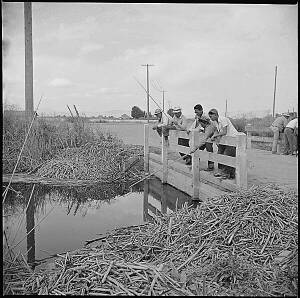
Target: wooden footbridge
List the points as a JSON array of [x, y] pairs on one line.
[[252, 166]]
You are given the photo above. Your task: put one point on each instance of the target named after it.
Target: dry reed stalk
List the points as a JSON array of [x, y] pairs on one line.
[[143, 260]]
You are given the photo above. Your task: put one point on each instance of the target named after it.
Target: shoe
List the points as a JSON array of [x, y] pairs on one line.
[[274, 152], [225, 176], [188, 161], [218, 174]]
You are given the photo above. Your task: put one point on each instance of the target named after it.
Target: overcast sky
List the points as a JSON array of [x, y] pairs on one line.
[[88, 54]]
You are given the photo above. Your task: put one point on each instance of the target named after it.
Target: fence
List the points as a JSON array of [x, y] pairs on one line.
[[261, 139], [190, 179]]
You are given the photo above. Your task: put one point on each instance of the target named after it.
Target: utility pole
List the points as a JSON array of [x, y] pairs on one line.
[[226, 109], [28, 60], [147, 65], [163, 99], [274, 91]]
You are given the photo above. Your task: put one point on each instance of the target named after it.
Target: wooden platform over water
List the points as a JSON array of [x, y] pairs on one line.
[[252, 166]]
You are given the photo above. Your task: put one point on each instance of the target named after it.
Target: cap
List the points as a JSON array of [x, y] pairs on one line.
[[213, 111], [157, 111], [285, 114], [176, 109]]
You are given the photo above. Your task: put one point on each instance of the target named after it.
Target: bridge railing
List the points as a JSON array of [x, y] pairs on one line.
[[250, 130], [239, 162]]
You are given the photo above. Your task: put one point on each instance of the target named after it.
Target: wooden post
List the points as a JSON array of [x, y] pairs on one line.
[[249, 144], [164, 159], [249, 135], [146, 148], [28, 61], [195, 166], [241, 162]]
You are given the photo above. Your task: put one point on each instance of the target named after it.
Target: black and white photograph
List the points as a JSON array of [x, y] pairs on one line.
[[150, 149]]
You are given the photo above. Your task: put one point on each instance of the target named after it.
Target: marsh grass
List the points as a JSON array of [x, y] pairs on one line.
[[45, 140]]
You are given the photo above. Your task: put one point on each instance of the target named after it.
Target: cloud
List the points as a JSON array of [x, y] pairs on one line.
[[89, 48], [60, 82]]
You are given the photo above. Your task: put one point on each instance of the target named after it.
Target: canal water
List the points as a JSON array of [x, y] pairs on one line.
[[60, 219]]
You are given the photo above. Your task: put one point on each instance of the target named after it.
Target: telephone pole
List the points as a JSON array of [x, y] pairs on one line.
[[226, 109], [274, 91], [163, 99], [28, 60], [147, 65]]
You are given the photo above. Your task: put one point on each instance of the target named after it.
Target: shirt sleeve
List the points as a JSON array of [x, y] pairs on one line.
[[224, 123], [166, 120]]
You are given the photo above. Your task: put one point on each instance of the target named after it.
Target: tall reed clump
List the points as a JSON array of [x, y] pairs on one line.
[[45, 140]]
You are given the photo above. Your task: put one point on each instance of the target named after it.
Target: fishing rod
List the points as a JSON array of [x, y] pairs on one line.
[[172, 161]]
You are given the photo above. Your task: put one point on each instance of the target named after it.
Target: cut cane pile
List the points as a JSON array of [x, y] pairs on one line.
[[104, 161], [244, 243]]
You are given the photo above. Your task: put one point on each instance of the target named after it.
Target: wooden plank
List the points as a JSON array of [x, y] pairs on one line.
[[175, 134], [222, 184], [204, 176], [180, 148], [164, 159], [241, 163], [146, 148], [225, 140], [195, 166], [184, 182], [218, 158]]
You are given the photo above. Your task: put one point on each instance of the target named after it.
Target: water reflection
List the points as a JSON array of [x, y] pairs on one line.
[[169, 198], [30, 233], [101, 208]]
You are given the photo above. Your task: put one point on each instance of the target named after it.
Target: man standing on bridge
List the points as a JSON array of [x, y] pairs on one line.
[[203, 124], [179, 122], [278, 127], [224, 127], [163, 124], [290, 131]]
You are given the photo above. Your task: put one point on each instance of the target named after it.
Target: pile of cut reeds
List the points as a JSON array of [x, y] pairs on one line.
[[103, 161], [243, 243]]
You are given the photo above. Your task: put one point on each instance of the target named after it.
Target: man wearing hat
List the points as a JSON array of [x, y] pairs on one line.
[[278, 127], [179, 122], [224, 127], [163, 124]]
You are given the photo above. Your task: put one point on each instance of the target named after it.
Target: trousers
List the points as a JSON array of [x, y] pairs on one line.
[[230, 151], [288, 138], [276, 133]]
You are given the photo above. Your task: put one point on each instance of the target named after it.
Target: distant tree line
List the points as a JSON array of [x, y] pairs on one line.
[[138, 113]]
